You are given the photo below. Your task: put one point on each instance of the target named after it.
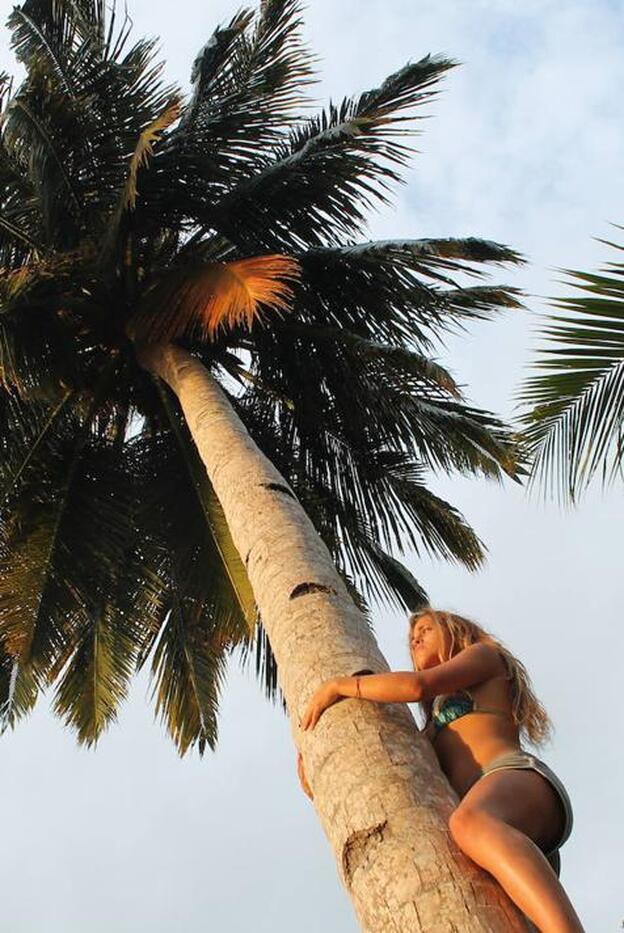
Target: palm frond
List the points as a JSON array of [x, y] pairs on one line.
[[22, 236], [370, 497], [39, 26], [408, 363], [127, 201], [46, 589], [20, 221], [18, 691], [573, 415], [205, 606], [247, 83], [188, 673], [86, 100], [75, 617], [312, 189], [50, 593], [329, 387], [400, 580], [259, 649], [34, 426], [145, 149], [24, 124], [36, 357], [215, 297], [44, 40], [394, 291], [94, 680]]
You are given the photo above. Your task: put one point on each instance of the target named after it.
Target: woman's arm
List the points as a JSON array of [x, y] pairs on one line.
[[468, 668], [381, 688], [394, 687]]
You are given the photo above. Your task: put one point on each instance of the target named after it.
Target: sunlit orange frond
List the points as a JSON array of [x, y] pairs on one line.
[[216, 296]]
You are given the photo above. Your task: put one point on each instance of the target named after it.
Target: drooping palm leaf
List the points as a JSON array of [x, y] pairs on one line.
[[188, 670], [18, 690], [574, 427], [369, 495], [66, 518], [94, 681], [366, 398], [205, 606]]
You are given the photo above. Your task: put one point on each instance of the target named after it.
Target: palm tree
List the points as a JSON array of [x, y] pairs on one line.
[[218, 410], [574, 404]]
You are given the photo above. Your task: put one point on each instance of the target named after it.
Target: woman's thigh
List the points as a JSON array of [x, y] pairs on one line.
[[521, 798]]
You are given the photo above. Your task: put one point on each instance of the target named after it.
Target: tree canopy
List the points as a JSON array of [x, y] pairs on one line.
[[120, 200]]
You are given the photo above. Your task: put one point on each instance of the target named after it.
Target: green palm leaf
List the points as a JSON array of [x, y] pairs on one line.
[[574, 425], [94, 680], [205, 606], [75, 490], [18, 690], [188, 671], [312, 189]]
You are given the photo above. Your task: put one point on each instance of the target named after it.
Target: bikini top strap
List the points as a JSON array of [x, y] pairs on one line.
[[487, 709]]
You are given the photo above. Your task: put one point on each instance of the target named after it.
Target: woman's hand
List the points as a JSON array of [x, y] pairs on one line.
[[307, 790], [326, 695]]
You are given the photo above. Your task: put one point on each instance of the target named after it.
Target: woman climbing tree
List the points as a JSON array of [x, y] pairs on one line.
[[514, 813]]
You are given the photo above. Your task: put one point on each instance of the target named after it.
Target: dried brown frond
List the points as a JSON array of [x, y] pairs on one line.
[[145, 148]]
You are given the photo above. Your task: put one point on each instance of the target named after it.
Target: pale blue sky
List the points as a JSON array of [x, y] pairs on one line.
[[525, 146]]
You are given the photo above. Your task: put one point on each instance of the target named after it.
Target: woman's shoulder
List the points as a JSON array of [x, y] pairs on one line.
[[471, 666], [493, 657]]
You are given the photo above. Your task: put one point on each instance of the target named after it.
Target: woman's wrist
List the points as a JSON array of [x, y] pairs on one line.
[[386, 687], [347, 686]]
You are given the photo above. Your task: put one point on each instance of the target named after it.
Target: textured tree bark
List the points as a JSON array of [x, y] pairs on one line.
[[381, 796]]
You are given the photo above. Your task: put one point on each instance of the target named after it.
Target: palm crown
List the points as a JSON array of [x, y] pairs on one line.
[[129, 214]]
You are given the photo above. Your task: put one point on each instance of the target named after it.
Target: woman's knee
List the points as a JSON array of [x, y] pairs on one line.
[[464, 823]]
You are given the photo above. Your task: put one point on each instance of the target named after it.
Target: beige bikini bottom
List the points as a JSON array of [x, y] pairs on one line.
[[524, 760]]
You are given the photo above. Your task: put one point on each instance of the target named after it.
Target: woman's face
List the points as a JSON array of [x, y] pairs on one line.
[[427, 643]]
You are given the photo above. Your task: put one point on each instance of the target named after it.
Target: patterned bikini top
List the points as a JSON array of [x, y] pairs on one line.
[[447, 709]]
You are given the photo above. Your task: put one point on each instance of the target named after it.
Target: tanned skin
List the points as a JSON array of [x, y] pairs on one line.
[[503, 821]]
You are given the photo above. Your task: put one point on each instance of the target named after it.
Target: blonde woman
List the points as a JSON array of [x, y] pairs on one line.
[[514, 813]]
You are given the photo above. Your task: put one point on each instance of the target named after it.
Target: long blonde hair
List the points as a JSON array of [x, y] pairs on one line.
[[527, 711]]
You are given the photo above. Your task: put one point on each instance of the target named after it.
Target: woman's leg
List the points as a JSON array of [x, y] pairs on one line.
[[501, 823]]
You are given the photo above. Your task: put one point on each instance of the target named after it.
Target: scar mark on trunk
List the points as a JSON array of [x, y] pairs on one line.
[[278, 487], [302, 589], [358, 848]]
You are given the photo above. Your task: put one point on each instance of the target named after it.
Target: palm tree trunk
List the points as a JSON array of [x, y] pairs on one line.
[[378, 789]]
